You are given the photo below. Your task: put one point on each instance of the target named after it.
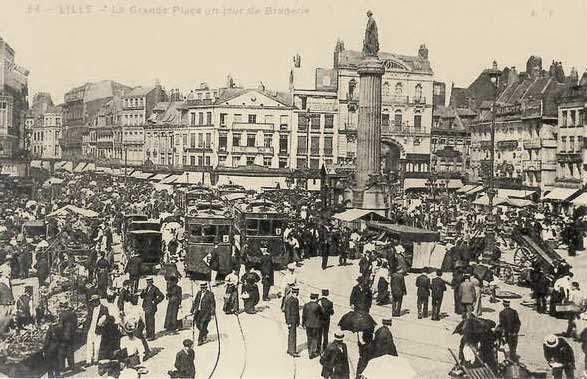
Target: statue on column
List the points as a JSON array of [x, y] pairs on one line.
[[371, 41]]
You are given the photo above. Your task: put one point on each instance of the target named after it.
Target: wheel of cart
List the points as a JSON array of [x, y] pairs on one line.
[[523, 256], [506, 273]]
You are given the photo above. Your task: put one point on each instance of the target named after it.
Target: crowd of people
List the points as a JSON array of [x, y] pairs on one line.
[[118, 321]]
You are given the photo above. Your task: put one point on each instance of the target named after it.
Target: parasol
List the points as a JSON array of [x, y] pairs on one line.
[[30, 203], [356, 321], [381, 367], [475, 327]]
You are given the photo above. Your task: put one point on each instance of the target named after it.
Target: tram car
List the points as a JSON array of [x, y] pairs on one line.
[[209, 239], [259, 223], [148, 244]]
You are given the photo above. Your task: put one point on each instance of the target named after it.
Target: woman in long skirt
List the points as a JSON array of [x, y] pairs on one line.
[[250, 292], [231, 293]]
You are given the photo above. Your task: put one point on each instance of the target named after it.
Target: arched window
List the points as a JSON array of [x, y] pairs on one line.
[[398, 89], [418, 91], [417, 119], [386, 89], [352, 86]]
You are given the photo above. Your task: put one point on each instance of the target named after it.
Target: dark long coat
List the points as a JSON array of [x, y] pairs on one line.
[[266, 268], [174, 296], [207, 306], [361, 298], [335, 361], [184, 364], [383, 342]]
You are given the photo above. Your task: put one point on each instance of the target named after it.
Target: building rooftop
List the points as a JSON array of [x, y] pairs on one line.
[[351, 58], [139, 91]]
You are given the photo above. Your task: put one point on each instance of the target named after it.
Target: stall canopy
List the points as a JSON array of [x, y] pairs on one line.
[[79, 167], [405, 232], [474, 190], [561, 194], [455, 184], [484, 200], [188, 178], [36, 163], [65, 166], [467, 188], [116, 171], [169, 180], [515, 194], [234, 196], [351, 215], [90, 167], [68, 209], [414, 183], [580, 200], [159, 177], [519, 203]]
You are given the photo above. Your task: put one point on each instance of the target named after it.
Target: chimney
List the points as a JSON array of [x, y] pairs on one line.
[[513, 76], [494, 65], [573, 76], [261, 87], [423, 52], [339, 48]]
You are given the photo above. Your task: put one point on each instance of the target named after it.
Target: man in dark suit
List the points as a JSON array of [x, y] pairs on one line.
[[267, 271], [312, 321], [125, 295], [335, 360], [438, 288], [292, 319], [325, 246], [203, 308], [185, 361], [133, 267], [69, 323], [423, 293], [361, 296], [151, 296], [52, 349], [327, 312], [509, 324], [398, 290]]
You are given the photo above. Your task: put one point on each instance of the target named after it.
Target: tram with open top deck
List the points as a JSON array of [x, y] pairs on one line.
[[259, 223], [190, 197]]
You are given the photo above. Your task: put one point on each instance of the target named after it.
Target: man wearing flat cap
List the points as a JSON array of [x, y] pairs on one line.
[[335, 360], [185, 360], [312, 321], [151, 296], [203, 308], [327, 308], [509, 324]]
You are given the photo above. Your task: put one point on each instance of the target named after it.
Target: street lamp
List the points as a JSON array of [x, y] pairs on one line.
[[489, 252]]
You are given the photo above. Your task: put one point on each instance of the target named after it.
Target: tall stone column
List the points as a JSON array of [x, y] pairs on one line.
[[368, 130]]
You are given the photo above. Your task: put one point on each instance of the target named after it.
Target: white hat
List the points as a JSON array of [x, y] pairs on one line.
[[551, 340], [291, 266]]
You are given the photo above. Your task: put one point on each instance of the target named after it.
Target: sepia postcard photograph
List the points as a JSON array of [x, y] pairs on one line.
[[293, 189]]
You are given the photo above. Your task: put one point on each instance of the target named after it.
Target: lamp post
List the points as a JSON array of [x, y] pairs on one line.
[[489, 252]]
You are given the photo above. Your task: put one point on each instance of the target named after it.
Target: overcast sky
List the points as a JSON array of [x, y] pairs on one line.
[[463, 37]]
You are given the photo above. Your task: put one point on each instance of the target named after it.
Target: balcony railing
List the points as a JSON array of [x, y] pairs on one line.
[[252, 150], [255, 126], [532, 165], [393, 99], [533, 143]]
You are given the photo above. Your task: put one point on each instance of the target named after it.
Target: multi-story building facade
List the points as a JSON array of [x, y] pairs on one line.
[[46, 133], [451, 140], [407, 93], [162, 130], [13, 103], [571, 155], [80, 111], [525, 128]]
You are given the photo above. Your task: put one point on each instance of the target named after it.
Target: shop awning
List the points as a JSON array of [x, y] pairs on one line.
[[455, 184], [475, 190], [159, 177], [36, 163], [169, 179], [65, 166], [351, 215], [89, 167], [515, 194], [580, 200], [189, 178], [561, 194], [414, 183], [466, 188], [79, 167], [484, 200], [116, 172], [519, 203]]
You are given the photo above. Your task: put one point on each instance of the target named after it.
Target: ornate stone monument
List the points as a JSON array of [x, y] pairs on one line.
[[369, 190]]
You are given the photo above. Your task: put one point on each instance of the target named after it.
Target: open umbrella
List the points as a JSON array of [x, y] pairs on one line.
[[381, 367], [356, 321]]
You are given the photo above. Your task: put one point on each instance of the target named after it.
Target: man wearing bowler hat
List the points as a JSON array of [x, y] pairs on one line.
[[151, 296], [203, 308]]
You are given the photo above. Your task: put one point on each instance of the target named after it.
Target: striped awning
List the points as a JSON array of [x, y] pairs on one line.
[[79, 167], [455, 183], [414, 183], [561, 194]]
